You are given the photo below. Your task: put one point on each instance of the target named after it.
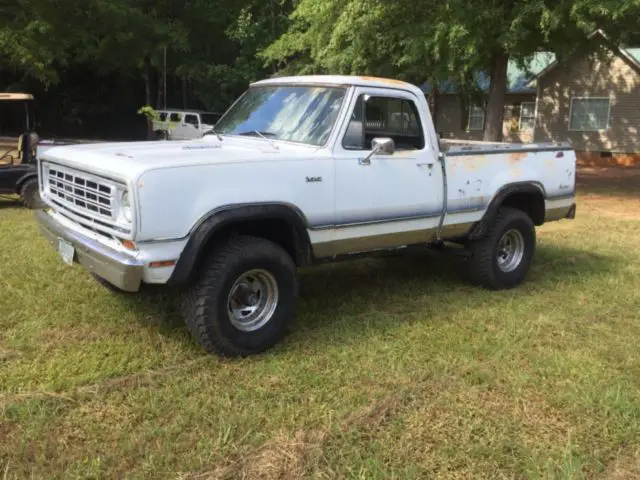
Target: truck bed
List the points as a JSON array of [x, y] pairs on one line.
[[472, 147]]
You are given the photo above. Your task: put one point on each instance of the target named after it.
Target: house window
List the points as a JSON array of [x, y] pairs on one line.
[[589, 114], [476, 117], [527, 116]]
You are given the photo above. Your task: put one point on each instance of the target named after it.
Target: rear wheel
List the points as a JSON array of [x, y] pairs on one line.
[[244, 299], [162, 135], [502, 259], [30, 195]]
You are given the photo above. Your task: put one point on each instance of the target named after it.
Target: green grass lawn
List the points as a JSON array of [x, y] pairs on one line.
[[396, 368]]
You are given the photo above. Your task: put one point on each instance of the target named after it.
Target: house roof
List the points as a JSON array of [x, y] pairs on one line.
[[631, 54], [517, 78], [523, 80]]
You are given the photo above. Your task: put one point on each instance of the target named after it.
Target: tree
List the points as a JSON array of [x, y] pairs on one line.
[[35, 38], [440, 40]]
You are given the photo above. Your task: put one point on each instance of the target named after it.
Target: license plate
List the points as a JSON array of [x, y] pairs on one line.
[[66, 250]]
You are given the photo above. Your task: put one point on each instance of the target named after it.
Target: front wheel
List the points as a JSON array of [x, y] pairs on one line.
[[244, 299], [501, 260], [30, 195]]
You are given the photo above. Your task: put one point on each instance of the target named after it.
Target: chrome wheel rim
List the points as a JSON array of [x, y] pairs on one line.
[[510, 251], [252, 300]]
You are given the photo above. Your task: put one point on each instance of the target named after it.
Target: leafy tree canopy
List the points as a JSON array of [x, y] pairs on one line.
[[433, 40]]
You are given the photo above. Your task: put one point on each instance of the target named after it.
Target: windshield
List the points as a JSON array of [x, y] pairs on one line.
[[303, 114], [209, 118]]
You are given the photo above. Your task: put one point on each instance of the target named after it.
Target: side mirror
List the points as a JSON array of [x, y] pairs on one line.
[[380, 146], [383, 146]]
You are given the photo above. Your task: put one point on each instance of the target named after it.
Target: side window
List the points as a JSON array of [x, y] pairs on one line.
[[162, 116], [175, 117], [396, 118], [191, 119]]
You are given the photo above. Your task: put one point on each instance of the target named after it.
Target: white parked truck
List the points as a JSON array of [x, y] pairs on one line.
[[177, 124], [298, 171]]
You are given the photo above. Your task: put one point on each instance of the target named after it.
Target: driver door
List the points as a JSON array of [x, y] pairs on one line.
[[191, 126], [390, 200]]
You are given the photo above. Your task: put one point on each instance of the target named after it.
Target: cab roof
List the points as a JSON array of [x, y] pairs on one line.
[[342, 80], [15, 96]]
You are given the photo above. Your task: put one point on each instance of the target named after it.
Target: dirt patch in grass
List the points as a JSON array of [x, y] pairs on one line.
[[284, 457], [611, 192], [292, 456], [609, 180], [626, 466]]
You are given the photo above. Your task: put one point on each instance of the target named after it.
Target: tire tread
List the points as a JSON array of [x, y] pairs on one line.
[[196, 310], [33, 201], [482, 268]]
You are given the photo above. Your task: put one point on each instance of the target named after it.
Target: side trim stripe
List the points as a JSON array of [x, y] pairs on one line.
[[379, 220], [564, 196]]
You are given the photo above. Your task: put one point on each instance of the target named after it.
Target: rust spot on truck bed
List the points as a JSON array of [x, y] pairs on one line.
[[517, 156], [474, 163]]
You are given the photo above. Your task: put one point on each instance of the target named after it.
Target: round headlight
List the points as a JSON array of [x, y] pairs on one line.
[[126, 206]]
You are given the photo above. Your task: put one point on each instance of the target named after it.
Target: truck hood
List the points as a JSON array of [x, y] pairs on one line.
[[126, 161]]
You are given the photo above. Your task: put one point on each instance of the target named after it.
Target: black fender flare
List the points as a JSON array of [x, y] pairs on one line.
[[482, 226], [220, 218], [25, 178]]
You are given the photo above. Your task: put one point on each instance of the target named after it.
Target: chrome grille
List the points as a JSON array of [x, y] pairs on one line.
[[84, 198], [80, 192]]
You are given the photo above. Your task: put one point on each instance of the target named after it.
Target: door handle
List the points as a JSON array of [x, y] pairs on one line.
[[428, 164]]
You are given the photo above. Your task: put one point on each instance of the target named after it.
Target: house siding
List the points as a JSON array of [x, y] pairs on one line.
[[601, 73], [449, 122]]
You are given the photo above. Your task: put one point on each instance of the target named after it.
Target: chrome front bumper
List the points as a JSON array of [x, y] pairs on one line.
[[115, 267]]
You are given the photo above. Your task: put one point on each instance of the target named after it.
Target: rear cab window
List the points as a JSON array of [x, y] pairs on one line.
[[382, 116]]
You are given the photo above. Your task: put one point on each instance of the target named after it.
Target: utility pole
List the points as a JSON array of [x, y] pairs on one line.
[[164, 77]]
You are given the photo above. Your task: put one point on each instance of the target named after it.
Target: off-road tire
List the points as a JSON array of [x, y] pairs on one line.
[[204, 304], [484, 269], [30, 195]]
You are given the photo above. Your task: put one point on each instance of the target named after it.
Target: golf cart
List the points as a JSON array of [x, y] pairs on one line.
[[18, 143]]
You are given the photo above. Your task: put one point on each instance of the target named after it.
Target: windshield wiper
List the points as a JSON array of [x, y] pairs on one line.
[[258, 133], [213, 131], [262, 135]]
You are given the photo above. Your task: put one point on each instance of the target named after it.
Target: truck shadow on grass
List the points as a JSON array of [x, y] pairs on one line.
[[379, 292], [431, 283]]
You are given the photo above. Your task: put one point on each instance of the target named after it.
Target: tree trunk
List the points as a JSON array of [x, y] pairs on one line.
[[147, 75], [433, 106], [159, 91], [184, 93], [494, 116], [464, 106]]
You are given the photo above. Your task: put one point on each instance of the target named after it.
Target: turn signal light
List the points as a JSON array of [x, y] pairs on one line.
[[128, 244], [163, 263]]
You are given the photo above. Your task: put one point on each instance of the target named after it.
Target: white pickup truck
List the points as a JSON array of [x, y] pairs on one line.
[[298, 171]]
